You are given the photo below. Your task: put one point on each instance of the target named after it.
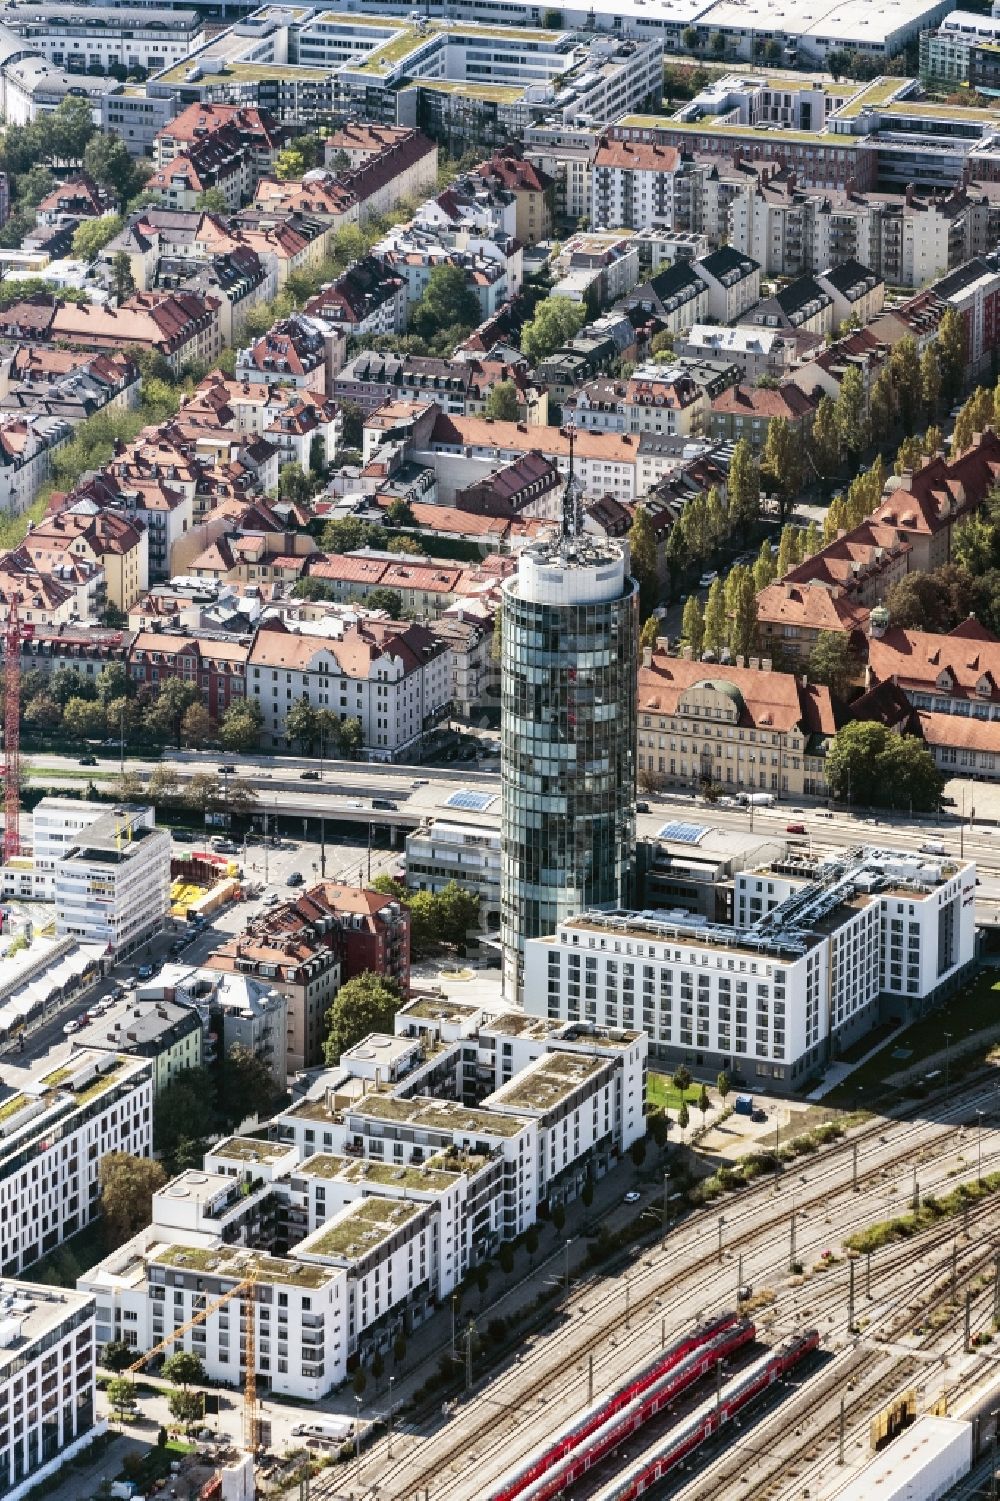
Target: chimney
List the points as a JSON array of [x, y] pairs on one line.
[[909, 195], [741, 662], [687, 655], [755, 664], [647, 656]]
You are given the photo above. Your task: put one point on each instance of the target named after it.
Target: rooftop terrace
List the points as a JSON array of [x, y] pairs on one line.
[[250, 1149], [436, 1115]]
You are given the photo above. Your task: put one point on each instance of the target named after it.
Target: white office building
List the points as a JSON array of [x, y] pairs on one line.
[[53, 1134], [47, 1367], [56, 822], [376, 1191], [817, 954], [444, 850], [112, 885]]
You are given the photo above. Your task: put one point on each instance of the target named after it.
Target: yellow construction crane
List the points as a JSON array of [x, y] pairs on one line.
[[246, 1290]]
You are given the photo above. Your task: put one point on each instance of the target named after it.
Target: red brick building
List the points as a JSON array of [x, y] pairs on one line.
[[215, 665]]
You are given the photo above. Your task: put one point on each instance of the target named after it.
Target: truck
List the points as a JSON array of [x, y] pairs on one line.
[[756, 799], [743, 1104], [932, 847]]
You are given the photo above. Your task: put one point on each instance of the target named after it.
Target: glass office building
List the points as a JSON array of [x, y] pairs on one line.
[[568, 683]]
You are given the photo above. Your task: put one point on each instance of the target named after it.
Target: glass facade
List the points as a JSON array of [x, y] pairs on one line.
[[568, 728]]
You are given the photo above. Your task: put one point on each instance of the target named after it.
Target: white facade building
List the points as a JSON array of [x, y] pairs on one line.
[[56, 823], [112, 885], [801, 973], [47, 1368], [378, 1189], [469, 853], [78, 38], [52, 1137]]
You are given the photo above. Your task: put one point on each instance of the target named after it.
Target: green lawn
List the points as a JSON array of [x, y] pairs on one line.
[[971, 1010], [660, 1091]]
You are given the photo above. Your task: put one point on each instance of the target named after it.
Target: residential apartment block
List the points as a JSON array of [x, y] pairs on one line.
[[376, 1191], [48, 1363], [55, 1131], [112, 885]]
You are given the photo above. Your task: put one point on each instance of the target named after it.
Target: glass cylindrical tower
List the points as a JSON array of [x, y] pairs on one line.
[[568, 736]]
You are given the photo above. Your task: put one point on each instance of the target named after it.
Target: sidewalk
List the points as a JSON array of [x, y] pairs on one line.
[[82, 1484]]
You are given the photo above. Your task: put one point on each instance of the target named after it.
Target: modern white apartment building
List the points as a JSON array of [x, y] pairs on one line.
[[816, 953], [112, 885], [53, 1133], [47, 1366], [376, 1191]]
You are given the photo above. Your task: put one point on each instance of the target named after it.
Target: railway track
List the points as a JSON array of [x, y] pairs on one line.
[[660, 1286]]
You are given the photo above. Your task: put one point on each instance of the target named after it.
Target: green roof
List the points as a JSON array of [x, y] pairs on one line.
[[362, 1226], [494, 93], [435, 1115], [234, 1265], [708, 126], [543, 1084], [245, 1148], [878, 92]]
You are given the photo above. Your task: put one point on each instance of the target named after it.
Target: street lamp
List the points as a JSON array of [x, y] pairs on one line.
[[947, 1056], [722, 1221], [566, 1249], [979, 1145], [357, 1430], [391, 1381]]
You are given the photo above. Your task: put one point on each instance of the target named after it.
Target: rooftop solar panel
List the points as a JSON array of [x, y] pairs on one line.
[[471, 802], [683, 833]]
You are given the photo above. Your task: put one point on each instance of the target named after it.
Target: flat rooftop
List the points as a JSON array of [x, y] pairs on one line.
[[436, 1115], [546, 1081], [359, 1228], [423, 1178], [250, 1149], [38, 1311], [234, 1263], [440, 1009], [137, 1023]]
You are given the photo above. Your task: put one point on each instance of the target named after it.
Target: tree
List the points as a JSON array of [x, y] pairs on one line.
[[718, 42], [693, 625], [831, 661], [930, 380], [351, 738], [186, 1407], [531, 1241], [703, 1103], [781, 461], [681, 1079], [294, 484], [683, 1117], [648, 636], [91, 236], [950, 341], [302, 725], [642, 551], [764, 568], [183, 1369], [69, 128], [936, 601], [868, 763], [448, 302], [850, 412], [715, 626], [196, 726], [456, 912], [788, 550], [112, 682], [241, 726], [556, 320], [289, 165], [366, 1003], [744, 488], [212, 201], [83, 719], [389, 600], [741, 608], [502, 402], [559, 1216], [108, 161], [127, 1185], [121, 1397], [882, 405], [42, 712], [116, 1355], [904, 365], [359, 1381], [506, 1255], [247, 1085], [349, 534], [163, 784], [689, 39], [716, 519], [409, 546], [185, 1116], [824, 437], [722, 1086], [677, 552]]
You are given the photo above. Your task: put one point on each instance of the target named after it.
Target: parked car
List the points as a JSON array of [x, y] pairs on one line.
[[795, 828], [308, 776], [71, 1027], [182, 836], [145, 972], [633, 1196], [384, 803], [295, 879], [708, 579], [823, 813], [88, 760], [642, 807]]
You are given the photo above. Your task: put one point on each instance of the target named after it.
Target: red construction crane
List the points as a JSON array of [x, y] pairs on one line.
[[12, 734]]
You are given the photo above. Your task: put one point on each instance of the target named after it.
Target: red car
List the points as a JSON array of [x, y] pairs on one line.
[[795, 828]]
